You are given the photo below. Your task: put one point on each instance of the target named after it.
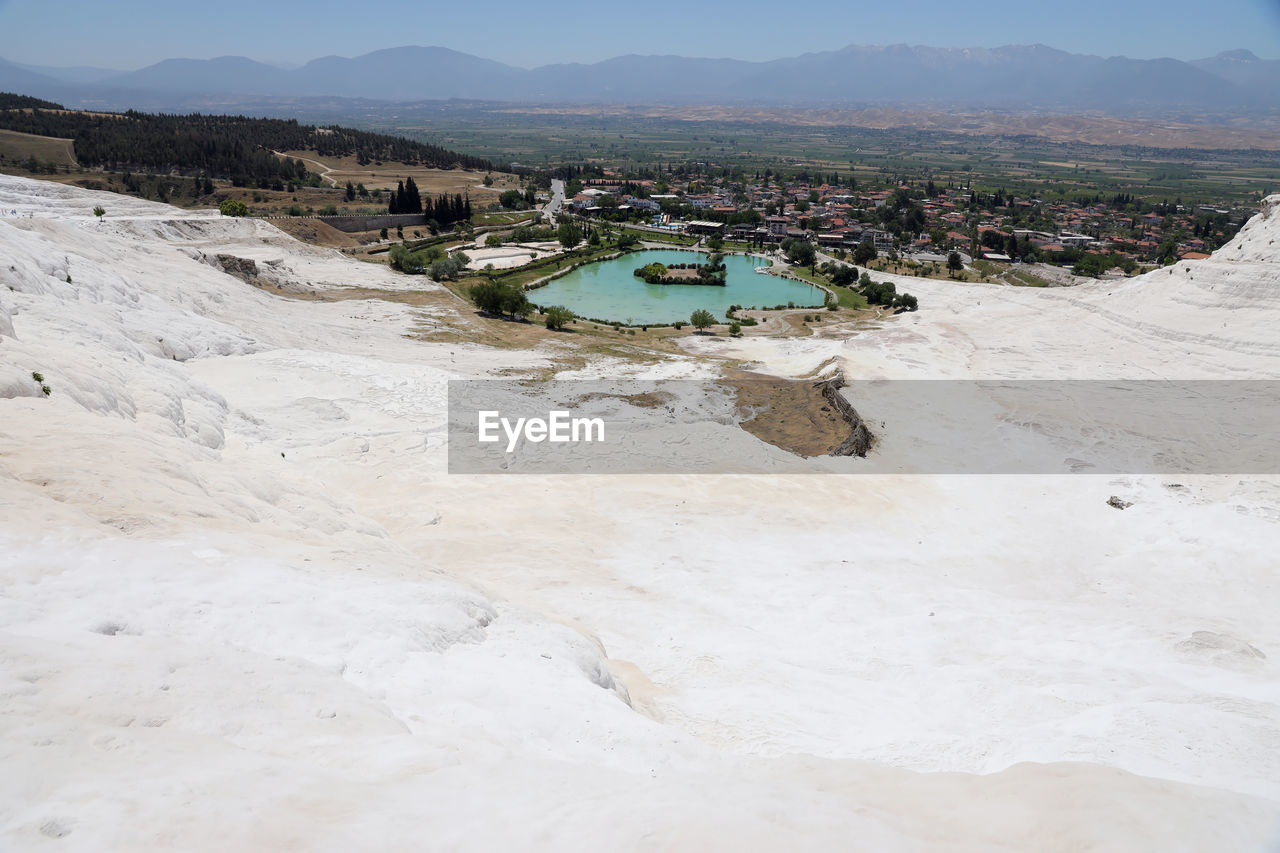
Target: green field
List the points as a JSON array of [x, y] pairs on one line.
[[502, 218], [1026, 166], [16, 147], [846, 297], [661, 237]]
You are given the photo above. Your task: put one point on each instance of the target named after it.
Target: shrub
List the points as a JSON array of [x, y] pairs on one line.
[[735, 329], [400, 258], [558, 316], [493, 240], [494, 298], [906, 302], [443, 270], [844, 276], [651, 273], [232, 207], [880, 292]]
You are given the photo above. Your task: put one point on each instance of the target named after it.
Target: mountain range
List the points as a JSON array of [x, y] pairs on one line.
[[1014, 77]]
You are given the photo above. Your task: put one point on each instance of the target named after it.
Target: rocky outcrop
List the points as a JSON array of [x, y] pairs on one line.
[[860, 436], [245, 269]]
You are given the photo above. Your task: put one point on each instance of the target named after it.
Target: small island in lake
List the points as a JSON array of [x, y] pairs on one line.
[[712, 273]]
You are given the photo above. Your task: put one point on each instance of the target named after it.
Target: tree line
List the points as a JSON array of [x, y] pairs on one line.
[[444, 210], [233, 147], [12, 101]]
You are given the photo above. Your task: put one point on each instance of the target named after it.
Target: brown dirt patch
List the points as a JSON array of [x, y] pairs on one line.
[[387, 175], [317, 233], [788, 413]]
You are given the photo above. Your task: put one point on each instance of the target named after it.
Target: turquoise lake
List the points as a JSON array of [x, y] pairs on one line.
[[607, 290]]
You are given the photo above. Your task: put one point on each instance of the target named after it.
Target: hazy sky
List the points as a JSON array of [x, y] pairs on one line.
[[129, 34]]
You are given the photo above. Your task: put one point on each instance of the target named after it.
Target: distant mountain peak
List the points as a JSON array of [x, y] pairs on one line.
[[1033, 76], [1238, 56]]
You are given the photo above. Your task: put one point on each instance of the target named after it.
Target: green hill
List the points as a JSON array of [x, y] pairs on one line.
[[231, 147]]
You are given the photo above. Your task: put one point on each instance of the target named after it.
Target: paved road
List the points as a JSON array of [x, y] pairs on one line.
[[557, 201]]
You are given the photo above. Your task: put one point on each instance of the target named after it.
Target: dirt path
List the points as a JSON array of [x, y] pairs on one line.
[[325, 170]]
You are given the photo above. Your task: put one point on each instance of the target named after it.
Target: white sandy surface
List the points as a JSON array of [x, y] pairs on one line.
[[243, 607]]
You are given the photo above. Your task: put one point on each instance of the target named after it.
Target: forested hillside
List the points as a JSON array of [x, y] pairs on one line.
[[10, 101], [233, 147]]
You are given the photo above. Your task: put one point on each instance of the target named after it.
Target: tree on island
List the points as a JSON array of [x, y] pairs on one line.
[[702, 319], [652, 273]]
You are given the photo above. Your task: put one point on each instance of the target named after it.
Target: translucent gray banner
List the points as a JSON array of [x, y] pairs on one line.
[[761, 425]]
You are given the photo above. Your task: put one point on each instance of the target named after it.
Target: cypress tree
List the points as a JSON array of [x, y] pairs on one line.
[[412, 201]]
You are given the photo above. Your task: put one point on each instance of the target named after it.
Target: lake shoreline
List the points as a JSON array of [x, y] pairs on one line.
[[607, 290]]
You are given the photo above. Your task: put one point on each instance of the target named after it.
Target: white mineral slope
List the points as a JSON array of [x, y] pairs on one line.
[[1209, 319], [241, 606]]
